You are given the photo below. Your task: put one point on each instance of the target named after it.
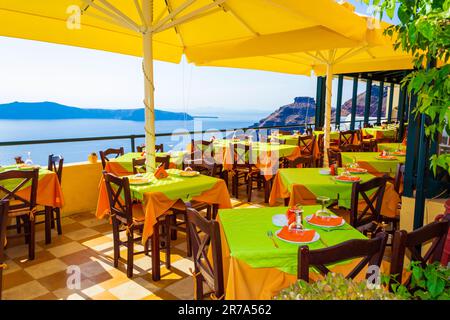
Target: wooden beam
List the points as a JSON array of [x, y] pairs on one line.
[[367, 101], [354, 100], [380, 102], [173, 15], [339, 100], [391, 102]]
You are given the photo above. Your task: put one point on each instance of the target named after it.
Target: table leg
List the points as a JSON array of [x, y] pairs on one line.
[[48, 225], [156, 263]]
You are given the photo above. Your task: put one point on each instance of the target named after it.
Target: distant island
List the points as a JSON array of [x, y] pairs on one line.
[[55, 111], [303, 110]]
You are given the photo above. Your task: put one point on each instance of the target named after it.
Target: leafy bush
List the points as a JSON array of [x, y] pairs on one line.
[[334, 287], [431, 283]]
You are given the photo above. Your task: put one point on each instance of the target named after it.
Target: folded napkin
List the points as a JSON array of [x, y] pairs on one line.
[[290, 215], [348, 178], [161, 173], [325, 221], [305, 236]]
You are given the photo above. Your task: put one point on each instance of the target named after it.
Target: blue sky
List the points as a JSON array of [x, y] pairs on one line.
[[36, 71]]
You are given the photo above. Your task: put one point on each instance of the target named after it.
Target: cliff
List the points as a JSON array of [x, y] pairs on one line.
[[54, 111]]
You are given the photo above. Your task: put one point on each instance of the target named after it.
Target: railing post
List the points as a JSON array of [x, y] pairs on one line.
[[133, 143]]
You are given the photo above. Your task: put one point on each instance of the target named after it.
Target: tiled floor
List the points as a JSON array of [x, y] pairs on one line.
[[86, 247]]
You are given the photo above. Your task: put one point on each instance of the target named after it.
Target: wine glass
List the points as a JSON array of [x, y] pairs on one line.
[[29, 161], [297, 225], [323, 200]]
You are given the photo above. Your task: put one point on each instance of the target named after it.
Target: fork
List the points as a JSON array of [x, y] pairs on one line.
[[335, 229], [270, 235]]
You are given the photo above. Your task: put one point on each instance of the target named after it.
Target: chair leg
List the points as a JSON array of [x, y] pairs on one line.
[[58, 221], [198, 286], [32, 238], [156, 268], [48, 225], [18, 225], [188, 241], [249, 189], [286, 201], [173, 231], [116, 242], [130, 253], [267, 184], [168, 235], [147, 247]]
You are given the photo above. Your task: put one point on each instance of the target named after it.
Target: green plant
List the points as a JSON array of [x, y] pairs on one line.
[[430, 283], [424, 32], [334, 286]]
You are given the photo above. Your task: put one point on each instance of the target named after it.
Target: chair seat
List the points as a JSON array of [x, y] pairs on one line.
[[138, 215], [18, 212]]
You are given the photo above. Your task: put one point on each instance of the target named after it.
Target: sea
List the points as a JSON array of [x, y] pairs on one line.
[[24, 130]]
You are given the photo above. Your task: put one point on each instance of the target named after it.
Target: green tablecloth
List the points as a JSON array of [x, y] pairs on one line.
[[391, 147], [11, 183], [246, 235], [284, 150], [380, 133], [126, 161], [290, 139], [369, 161], [174, 187], [334, 135], [320, 185]]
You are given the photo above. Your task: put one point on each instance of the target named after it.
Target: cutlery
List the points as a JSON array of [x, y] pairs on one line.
[[335, 229], [270, 235], [323, 242]]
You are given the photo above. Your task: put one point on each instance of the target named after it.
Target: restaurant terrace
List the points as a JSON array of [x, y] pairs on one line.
[[251, 213]]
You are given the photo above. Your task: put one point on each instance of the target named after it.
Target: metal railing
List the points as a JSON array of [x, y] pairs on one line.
[[133, 137]]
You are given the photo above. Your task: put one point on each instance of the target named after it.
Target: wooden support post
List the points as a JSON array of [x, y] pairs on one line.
[[339, 100], [367, 101], [354, 97], [391, 102], [380, 102]]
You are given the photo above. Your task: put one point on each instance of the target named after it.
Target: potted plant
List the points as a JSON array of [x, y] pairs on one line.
[[334, 287], [429, 283], [92, 158]]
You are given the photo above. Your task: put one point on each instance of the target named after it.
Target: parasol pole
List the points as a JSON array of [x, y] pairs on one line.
[[149, 89], [327, 124]]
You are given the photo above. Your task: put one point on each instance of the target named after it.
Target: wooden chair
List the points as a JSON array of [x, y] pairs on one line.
[[139, 164], [304, 161], [22, 207], [371, 251], [368, 218], [320, 144], [3, 223], [334, 156], [347, 141], [53, 215], [129, 217], [435, 232], [206, 270], [158, 148], [243, 168], [113, 152], [307, 145], [368, 142]]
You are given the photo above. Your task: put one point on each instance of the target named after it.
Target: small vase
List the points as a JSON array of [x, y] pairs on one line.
[[92, 158]]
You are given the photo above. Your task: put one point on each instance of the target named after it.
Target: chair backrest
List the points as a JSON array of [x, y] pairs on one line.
[[110, 152], [119, 196], [371, 251], [435, 232], [14, 181], [398, 180], [334, 156], [309, 131], [55, 164], [242, 154], [307, 144], [3, 223], [320, 142], [208, 168], [371, 195], [208, 238], [284, 132], [201, 147], [304, 161], [346, 137], [139, 163], [158, 148]]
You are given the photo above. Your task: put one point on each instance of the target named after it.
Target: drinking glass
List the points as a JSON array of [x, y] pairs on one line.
[[323, 200], [29, 161], [297, 225]]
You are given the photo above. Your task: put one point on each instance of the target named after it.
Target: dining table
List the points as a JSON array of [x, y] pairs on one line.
[[157, 196], [254, 268], [391, 147], [265, 155], [380, 132], [305, 185], [373, 162], [49, 192], [123, 165]]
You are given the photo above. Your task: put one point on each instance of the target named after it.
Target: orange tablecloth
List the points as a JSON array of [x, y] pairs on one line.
[[157, 203]]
